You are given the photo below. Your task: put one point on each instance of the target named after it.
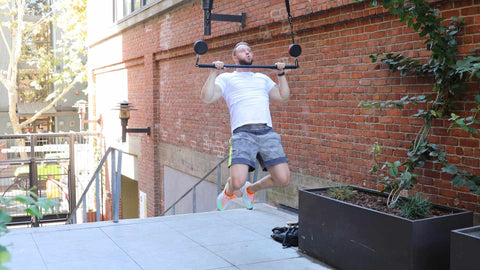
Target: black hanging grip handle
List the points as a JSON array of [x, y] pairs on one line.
[[246, 66]]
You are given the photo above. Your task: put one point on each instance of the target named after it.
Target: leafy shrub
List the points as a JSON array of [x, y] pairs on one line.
[[32, 205]]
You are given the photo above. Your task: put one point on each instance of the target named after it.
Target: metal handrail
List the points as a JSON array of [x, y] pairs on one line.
[[216, 167], [49, 134], [116, 178]]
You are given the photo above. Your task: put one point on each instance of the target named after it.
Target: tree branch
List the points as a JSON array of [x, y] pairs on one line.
[[77, 79], [17, 36], [7, 45], [4, 80]]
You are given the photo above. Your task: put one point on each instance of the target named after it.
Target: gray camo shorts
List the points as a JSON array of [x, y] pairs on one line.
[[261, 142]]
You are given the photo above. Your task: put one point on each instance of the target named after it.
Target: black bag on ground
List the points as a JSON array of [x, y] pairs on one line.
[[287, 235]]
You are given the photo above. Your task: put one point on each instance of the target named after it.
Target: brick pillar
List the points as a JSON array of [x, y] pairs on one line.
[[150, 157]]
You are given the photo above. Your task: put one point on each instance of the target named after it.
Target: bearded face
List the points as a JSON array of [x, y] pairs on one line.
[[244, 55], [245, 61]]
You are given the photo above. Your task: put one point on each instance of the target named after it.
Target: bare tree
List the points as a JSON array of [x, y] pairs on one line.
[[60, 67]]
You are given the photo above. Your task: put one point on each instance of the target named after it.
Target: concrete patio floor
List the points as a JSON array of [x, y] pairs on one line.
[[227, 240]]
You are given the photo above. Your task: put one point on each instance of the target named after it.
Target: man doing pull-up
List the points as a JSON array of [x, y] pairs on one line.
[[247, 95]]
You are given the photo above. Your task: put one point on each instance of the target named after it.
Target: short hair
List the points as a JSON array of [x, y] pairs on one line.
[[238, 45]]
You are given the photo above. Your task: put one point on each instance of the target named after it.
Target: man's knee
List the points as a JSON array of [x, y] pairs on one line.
[[283, 180], [237, 182], [281, 176], [238, 175]]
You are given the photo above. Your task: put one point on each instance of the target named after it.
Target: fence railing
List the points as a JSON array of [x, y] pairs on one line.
[[51, 165], [116, 175], [35, 151], [193, 189]]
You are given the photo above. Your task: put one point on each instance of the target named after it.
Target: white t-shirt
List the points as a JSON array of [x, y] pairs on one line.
[[246, 95]]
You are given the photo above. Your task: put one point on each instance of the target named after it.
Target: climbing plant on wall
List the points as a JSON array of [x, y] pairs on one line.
[[450, 76]]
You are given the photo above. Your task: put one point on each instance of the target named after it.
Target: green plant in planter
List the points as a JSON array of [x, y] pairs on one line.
[[416, 207], [343, 193], [450, 76], [32, 205]]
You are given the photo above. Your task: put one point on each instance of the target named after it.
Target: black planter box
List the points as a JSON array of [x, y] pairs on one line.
[[349, 236], [465, 248]]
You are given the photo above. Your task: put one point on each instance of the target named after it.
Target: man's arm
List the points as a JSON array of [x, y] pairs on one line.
[[211, 91], [280, 92]]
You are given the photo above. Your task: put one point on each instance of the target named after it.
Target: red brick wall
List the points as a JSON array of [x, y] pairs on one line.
[[325, 133]]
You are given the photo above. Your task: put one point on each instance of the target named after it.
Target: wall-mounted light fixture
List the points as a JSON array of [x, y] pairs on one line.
[[81, 106], [125, 109]]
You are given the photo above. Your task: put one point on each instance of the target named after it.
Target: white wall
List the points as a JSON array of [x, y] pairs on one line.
[[177, 183]]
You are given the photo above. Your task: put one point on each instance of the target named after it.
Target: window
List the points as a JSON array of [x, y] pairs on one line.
[[122, 8]]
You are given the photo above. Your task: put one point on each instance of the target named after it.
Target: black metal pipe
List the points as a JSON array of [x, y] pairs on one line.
[[230, 18], [138, 130], [207, 26], [207, 4]]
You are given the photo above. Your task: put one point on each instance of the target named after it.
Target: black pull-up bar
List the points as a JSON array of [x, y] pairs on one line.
[[246, 66], [201, 47]]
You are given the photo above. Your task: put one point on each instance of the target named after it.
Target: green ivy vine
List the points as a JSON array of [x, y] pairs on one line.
[[451, 78]]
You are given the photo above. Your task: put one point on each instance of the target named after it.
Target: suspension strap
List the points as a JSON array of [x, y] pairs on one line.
[[290, 20]]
